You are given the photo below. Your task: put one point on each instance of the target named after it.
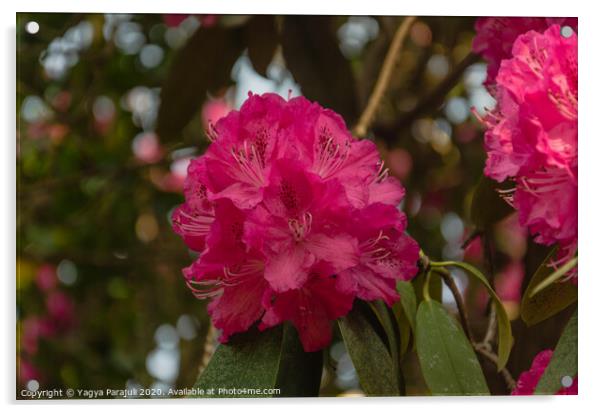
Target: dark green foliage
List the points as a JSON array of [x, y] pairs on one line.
[[369, 354], [312, 54], [549, 301], [563, 362], [201, 67], [273, 359], [448, 362]]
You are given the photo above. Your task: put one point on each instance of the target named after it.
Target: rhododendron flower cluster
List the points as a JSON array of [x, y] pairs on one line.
[[495, 37], [532, 135], [293, 218], [528, 380]]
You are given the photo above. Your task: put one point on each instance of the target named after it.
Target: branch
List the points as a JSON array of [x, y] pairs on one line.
[[451, 284], [208, 348], [492, 357], [483, 348], [491, 329], [431, 101], [384, 77], [474, 235]]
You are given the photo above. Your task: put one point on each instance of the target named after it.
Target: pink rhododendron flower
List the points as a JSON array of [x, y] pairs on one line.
[[294, 218], [528, 380], [495, 37], [532, 136]]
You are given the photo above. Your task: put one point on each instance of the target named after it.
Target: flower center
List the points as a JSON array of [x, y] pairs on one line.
[[300, 227], [198, 225], [330, 156], [250, 164], [381, 174], [372, 251]]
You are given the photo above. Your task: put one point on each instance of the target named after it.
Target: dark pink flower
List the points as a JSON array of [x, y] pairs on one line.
[[496, 35], [532, 136], [310, 308], [293, 218], [528, 380]]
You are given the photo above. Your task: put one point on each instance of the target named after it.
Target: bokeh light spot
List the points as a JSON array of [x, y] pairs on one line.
[[32, 27]]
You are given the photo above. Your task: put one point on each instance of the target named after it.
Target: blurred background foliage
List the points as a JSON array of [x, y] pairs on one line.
[[110, 108]]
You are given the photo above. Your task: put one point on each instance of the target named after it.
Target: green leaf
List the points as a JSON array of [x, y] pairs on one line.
[[300, 373], [369, 355], [549, 301], [505, 339], [273, 359], [311, 50], [563, 362], [408, 301], [487, 205], [405, 332], [388, 321], [556, 276], [405, 313], [202, 66], [435, 287], [261, 37], [447, 360]]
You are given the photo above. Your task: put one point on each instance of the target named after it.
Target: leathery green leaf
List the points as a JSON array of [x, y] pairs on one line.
[[551, 300], [447, 360], [273, 359], [563, 362], [505, 339], [369, 355]]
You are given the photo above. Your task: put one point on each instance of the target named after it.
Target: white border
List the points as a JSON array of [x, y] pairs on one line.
[[590, 66]]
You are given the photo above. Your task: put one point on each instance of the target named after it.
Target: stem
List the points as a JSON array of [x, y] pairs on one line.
[[491, 327], [483, 348], [425, 288], [208, 348], [383, 78], [492, 357], [451, 284], [474, 235]]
